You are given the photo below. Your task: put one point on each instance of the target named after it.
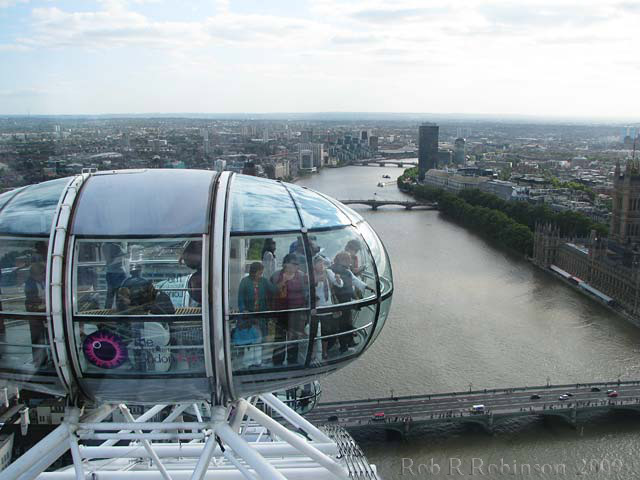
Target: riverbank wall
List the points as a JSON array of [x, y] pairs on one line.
[[621, 312]]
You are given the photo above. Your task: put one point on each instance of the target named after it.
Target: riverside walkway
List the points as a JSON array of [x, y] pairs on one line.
[[402, 414]]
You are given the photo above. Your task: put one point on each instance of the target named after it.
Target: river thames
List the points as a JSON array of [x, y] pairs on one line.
[[466, 313]]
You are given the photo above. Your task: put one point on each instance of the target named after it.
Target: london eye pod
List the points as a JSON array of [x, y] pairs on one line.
[[166, 286]]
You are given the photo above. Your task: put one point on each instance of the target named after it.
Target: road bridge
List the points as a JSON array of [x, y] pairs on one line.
[[402, 414], [383, 163], [408, 205]]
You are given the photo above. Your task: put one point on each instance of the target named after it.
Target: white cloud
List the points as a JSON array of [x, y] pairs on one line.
[[115, 26], [488, 49], [11, 3]]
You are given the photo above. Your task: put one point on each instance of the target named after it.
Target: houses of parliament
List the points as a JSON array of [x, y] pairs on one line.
[[610, 265]]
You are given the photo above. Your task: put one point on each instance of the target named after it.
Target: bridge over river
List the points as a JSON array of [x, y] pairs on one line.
[[374, 203], [385, 162], [402, 414]]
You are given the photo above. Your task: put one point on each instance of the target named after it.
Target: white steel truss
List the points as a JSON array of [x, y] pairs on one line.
[[239, 441]]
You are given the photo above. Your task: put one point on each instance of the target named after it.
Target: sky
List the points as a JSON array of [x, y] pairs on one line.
[[562, 58]]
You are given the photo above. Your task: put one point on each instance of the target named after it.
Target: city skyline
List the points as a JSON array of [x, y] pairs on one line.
[[564, 59]]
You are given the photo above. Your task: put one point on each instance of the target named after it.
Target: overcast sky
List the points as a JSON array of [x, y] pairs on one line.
[[532, 57]]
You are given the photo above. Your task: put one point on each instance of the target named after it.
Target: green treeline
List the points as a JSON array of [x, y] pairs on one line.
[[510, 223]]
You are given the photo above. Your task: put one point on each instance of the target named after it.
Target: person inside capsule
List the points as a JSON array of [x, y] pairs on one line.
[[115, 273], [146, 265], [292, 287], [34, 301], [255, 294], [192, 258], [138, 296]]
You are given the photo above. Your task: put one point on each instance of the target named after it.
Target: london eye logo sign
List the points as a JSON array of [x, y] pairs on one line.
[[105, 349]]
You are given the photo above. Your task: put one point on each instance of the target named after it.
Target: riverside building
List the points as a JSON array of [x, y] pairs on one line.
[[606, 268]]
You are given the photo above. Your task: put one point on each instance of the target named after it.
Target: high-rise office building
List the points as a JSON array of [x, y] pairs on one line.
[[306, 135], [306, 160], [317, 152], [459, 151], [445, 157], [628, 131], [427, 148]]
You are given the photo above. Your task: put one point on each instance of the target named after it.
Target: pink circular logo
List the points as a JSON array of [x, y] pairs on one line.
[[105, 349]]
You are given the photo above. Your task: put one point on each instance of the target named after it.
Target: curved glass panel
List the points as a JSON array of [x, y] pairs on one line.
[[140, 347], [342, 333], [315, 210], [137, 313], [343, 268], [24, 343], [22, 274], [385, 307], [153, 202], [6, 196], [24, 346], [352, 214], [266, 342], [31, 211], [259, 205], [302, 398], [138, 277], [380, 257], [267, 273]]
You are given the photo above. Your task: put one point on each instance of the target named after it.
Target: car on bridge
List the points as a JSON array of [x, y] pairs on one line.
[[535, 396], [332, 418], [477, 409], [378, 417], [612, 394], [563, 397], [595, 389]]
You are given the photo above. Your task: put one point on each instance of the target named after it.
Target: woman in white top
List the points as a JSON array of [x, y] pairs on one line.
[[269, 257], [326, 280]]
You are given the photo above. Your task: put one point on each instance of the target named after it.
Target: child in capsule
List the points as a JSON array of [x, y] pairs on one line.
[[246, 338], [269, 257], [353, 247]]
